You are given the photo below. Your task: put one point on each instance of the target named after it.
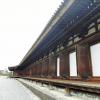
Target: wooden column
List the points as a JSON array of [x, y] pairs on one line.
[[25, 72], [43, 67], [84, 69], [30, 71], [64, 64], [33, 69], [38, 69], [46, 66], [52, 66]]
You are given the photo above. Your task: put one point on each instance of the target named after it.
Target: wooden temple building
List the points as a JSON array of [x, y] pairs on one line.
[[69, 46]]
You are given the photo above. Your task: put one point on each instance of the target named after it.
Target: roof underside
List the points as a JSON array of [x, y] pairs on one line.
[[79, 12], [11, 68]]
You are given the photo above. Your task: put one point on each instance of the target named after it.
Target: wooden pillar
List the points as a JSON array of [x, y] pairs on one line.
[[47, 66], [37, 69], [33, 69], [23, 73], [84, 69], [30, 72], [64, 64], [40, 68], [52, 66], [27, 70], [44, 67]]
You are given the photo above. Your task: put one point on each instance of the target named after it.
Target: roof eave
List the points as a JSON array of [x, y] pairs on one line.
[[62, 9]]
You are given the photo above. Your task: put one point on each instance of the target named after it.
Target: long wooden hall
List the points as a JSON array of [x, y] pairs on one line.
[[67, 53]]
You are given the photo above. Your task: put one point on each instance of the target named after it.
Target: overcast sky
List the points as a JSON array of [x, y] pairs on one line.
[[21, 22]]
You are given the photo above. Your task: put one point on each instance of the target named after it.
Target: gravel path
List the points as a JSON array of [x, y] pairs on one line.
[[11, 89]]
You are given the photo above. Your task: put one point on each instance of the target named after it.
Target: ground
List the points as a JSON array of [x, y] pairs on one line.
[[11, 89]]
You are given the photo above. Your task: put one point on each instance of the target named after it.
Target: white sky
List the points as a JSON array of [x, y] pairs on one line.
[[21, 22]]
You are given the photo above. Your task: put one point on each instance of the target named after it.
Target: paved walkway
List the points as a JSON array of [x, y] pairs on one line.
[[11, 89]]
